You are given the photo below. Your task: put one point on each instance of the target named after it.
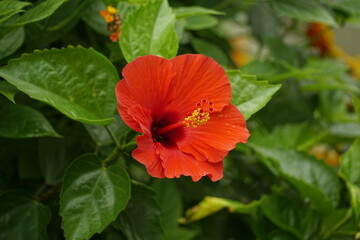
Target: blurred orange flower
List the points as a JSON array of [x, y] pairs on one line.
[[113, 19], [321, 37]]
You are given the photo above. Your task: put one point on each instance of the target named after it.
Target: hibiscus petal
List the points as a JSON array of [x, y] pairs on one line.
[[197, 78], [141, 117], [177, 163], [213, 140], [146, 154], [148, 81]]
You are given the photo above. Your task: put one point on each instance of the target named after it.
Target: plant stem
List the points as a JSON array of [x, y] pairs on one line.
[[112, 135], [40, 189], [341, 222], [112, 157]]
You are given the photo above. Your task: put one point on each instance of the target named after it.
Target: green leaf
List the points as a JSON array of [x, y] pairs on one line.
[[250, 95], [149, 30], [9, 8], [303, 136], [8, 90], [141, 219], [199, 22], [92, 196], [350, 171], [211, 205], [92, 17], [169, 198], [354, 191], [350, 164], [304, 10], [82, 89], [125, 9], [37, 13], [339, 221], [263, 70], [281, 51], [263, 22], [311, 177], [350, 130], [22, 218], [289, 214], [53, 158], [183, 12], [323, 69], [350, 6], [11, 42], [209, 49], [19, 121]]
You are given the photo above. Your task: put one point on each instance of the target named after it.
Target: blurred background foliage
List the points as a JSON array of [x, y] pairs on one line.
[[298, 177]]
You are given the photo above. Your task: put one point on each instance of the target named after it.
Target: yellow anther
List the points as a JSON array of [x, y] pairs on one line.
[[111, 9], [197, 118]]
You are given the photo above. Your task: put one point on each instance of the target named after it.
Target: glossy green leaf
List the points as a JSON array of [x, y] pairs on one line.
[[199, 22], [22, 218], [211, 205], [92, 196], [141, 219], [183, 12], [248, 94], [311, 177], [11, 42], [8, 90], [149, 30], [37, 13], [9, 8], [304, 10], [19, 121], [76, 81], [288, 214], [209, 49]]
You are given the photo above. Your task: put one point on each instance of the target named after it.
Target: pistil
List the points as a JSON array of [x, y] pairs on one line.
[[197, 118]]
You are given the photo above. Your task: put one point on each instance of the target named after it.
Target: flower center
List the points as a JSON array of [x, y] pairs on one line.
[[199, 117]]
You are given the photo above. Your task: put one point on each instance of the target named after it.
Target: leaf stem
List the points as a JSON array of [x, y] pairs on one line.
[[341, 222], [112, 135], [112, 157], [40, 189]]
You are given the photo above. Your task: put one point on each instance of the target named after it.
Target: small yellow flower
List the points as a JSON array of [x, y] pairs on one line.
[[111, 9]]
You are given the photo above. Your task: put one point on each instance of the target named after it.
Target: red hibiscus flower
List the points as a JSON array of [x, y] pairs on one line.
[[182, 107]]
